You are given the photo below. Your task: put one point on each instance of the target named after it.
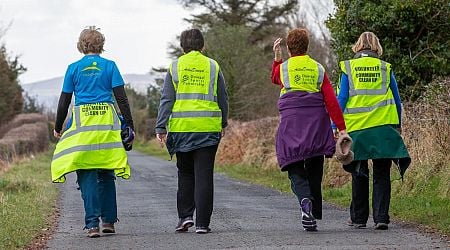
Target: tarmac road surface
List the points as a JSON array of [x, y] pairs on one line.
[[245, 216]]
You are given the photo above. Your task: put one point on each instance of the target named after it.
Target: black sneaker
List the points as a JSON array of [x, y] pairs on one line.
[[355, 225], [184, 224], [381, 226], [202, 230], [308, 220]]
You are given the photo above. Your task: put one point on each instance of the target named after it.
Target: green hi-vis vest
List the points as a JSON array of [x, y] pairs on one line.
[[301, 73], [370, 102], [194, 77], [93, 141]]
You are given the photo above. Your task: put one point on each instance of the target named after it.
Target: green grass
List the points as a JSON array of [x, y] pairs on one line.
[[27, 201], [421, 205]]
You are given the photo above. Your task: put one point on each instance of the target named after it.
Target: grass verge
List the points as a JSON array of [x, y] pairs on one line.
[[422, 205], [27, 201]]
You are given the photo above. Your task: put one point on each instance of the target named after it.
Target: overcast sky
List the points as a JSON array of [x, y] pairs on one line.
[[44, 32]]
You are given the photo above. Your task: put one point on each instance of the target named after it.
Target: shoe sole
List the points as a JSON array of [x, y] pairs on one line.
[[108, 231], [185, 226], [310, 229], [202, 231], [94, 235], [381, 227]]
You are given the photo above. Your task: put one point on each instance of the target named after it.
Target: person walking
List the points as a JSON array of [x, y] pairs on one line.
[[192, 114], [92, 146], [371, 103], [307, 101]]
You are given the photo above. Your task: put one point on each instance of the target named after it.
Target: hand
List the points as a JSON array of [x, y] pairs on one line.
[[342, 132], [399, 130], [56, 134], [338, 134], [277, 49], [222, 134], [162, 139]]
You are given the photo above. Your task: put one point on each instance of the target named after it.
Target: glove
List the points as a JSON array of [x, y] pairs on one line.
[[127, 135]]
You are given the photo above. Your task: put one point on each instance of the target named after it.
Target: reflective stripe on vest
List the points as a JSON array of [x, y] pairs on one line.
[[185, 114], [371, 102], [195, 109], [93, 141], [369, 109], [299, 82], [88, 148]]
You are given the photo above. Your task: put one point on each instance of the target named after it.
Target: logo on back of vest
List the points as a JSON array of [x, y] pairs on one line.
[[304, 79], [194, 70], [303, 69], [193, 80]]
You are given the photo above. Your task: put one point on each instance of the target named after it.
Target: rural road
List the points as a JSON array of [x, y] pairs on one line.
[[245, 217]]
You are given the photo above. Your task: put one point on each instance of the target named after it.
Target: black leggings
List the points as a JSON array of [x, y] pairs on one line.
[[306, 182], [195, 184]]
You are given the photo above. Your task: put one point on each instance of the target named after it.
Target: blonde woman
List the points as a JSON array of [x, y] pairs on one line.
[[371, 104], [92, 144]]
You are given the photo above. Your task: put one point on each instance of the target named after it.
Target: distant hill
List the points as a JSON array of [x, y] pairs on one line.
[[47, 92]]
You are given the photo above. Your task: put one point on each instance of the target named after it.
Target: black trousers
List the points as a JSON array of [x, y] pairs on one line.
[[195, 184], [306, 182], [381, 195]]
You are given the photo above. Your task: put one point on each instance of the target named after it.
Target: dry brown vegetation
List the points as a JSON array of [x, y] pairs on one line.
[[26, 134], [426, 131]]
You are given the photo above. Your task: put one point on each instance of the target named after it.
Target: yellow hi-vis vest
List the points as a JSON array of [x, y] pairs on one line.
[[194, 78], [93, 141], [371, 102], [301, 73]]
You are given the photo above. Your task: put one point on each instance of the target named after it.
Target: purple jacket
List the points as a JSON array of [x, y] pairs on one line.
[[305, 128]]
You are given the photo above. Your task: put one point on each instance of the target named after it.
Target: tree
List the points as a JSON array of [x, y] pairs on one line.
[[414, 35], [246, 70], [138, 108], [259, 15], [265, 20], [11, 100], [154, 91], [31, 105], [312, 17]]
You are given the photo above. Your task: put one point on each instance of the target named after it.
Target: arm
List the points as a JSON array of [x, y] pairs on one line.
[[64, 101], [398, 102], [222, 98], [343, 92], [332, 104], [61, 113], [276, 73], [276, 63], [122, 102], [117, 85], [165, 105]]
